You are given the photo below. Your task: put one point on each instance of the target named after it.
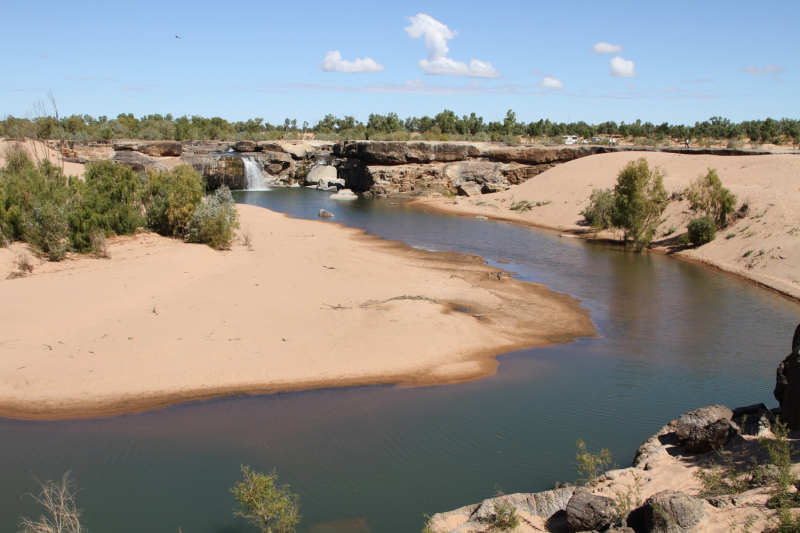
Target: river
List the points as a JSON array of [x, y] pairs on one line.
[[674, 336]]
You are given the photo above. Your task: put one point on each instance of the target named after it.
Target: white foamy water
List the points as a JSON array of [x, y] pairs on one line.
[[253, 175]]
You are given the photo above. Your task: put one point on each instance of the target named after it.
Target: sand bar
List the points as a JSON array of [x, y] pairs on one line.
[[310, 304], [770, 184]]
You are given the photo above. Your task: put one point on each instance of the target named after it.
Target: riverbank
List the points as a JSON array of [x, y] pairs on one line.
[[763, 247], [307, 305]]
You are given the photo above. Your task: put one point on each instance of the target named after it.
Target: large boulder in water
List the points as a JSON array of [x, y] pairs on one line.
[[787, 384], [325, 173], [671, 511]]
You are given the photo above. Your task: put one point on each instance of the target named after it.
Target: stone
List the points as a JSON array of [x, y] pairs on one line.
[[324, 173], [162, 148], [787, 384], [324, 214], [299, 151], [468, 189], [137, 161], [344, 194], [330, 184], [245, 146], [587, 511], [672, 511], [700, 417], [712, 436]]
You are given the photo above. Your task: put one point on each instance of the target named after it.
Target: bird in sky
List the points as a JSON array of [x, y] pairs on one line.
[[177, 37]]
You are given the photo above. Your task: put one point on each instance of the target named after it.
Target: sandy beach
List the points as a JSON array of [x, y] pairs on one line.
[[309, 304], [767, 183]]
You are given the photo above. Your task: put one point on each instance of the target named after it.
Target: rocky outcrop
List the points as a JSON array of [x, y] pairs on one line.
[[322, 176], [218, 170], [787, 384], [589, 512], [153, 148], [138, 162], [402, 153], [475, 517], [672, 511]]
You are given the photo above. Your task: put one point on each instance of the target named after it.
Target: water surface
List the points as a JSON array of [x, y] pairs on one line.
[[674, 336]]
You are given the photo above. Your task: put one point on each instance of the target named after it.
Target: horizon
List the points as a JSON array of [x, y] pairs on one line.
[[597, 63]]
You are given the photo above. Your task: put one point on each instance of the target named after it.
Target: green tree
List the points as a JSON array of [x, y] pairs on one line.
[[172, 200], [639, 201], [707, 195], [272, 508]]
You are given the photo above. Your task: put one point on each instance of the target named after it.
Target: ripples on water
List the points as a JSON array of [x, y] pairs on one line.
[[675, 336]]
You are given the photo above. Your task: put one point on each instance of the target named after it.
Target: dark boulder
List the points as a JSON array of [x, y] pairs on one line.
[[672, 511], [712, 436], [245, 146], [700, 418], [589, 512], [162, 148], [787, 384], [137, 161]]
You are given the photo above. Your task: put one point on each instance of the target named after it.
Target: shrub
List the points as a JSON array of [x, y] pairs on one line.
[[707, 195], [590, 465], [108, 200], [273, 509], [639, 200], [522, 205], [701, 231], [215, 220], [779, 452], [61, 513], [599, 214], [47, 229], [172, 200], [505, 516]]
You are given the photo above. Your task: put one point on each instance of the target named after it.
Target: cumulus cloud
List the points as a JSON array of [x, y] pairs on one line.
[[622, 68], [436, 37], [333, 62], [771, 69], [550, 83], [606, 48]]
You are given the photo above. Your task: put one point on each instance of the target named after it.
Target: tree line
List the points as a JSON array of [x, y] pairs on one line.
[[443, 126]]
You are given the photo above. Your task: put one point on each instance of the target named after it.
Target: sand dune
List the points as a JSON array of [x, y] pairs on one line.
[[770, 184], [311, 304]]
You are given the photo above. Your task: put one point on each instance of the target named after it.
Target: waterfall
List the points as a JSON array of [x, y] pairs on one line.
[[253, 175]]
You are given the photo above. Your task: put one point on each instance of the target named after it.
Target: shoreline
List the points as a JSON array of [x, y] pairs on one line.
[[766, 186], [370, 291]]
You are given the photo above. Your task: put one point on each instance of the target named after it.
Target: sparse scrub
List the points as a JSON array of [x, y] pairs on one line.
[[522, 205], [215, 220], [600, 212], [590, 465], [707, 195], [99, 243], [701, 231], [505, 516], [61, 514], [270, 507], [627, 500]]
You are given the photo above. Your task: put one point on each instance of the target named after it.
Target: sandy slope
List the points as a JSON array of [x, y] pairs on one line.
[[309, 305], [38, 151], [770, 184]]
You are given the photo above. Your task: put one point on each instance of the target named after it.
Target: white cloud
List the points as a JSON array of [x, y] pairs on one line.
[[622, 68], [671, 89], [771, 69], [606, 48], [550, 83], [436, 36], [333, 62]]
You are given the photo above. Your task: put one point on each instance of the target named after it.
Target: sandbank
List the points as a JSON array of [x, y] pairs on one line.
[[309, 304], [763, 247]]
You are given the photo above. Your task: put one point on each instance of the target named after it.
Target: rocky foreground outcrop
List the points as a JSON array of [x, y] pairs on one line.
[[674, 451], [787, 383]]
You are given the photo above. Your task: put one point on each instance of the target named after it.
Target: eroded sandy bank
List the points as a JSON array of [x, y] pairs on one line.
[[770, 184], [309, 304]]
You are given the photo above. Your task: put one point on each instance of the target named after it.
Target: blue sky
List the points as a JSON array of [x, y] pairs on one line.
[[678, 62]]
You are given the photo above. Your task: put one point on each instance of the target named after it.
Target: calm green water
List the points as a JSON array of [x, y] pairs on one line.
[[674, 337]]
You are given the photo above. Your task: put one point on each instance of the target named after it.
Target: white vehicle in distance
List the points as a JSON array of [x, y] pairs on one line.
[[570, 139]]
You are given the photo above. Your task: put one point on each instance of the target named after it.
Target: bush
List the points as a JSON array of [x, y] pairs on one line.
[[47, 229], [107, 200], [504, 518], [701, 231], [707, 195], [215, 220], [172, 199], [639, 201], [599, 214], [61, 513], [590, 465], [273, 509]]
